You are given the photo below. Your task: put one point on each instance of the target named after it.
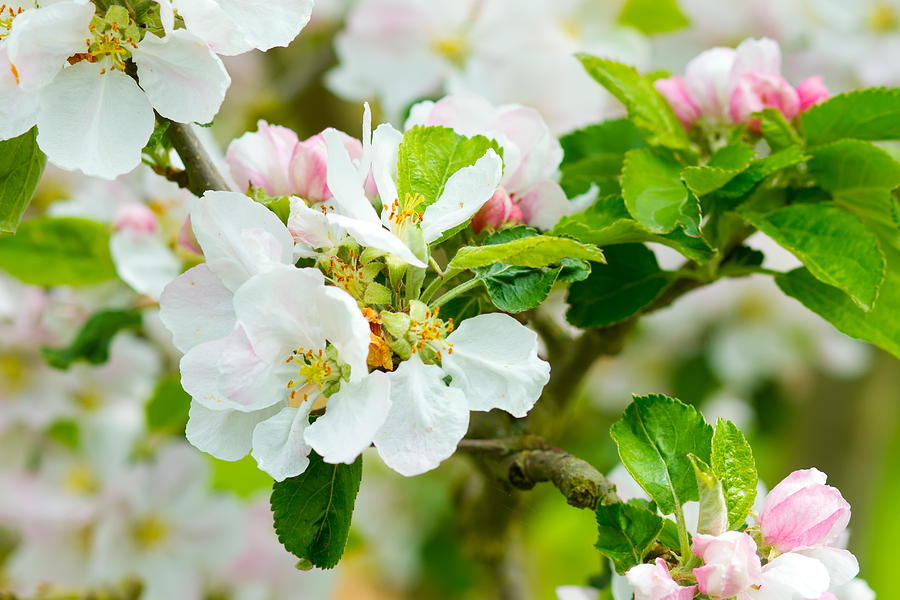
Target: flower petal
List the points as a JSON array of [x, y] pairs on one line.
[[544, 204], [465, 192], [94, 123], [18, 108], [278, 445], [495, 364], [225, 434], [37, 56], [352, 418], [791, 576], [385, 151], [345, 182], [143, 261], [184, 80], [376, 236], [346, 328], [426, 420], [842, 566], [239, 237], [196, 307]]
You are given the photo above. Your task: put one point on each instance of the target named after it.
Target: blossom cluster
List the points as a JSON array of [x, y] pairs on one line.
[[98, 74]]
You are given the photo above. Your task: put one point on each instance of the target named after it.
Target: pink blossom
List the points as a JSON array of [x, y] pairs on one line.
[[731, 564], [679, 98], [308, 166], [136, 218], [500, 209], [828, 596], [654, 582], [262, 159], [187, 239], [753, 92], [812, 91], [803, 511]]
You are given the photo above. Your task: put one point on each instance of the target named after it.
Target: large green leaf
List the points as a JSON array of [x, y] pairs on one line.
[[744, 182], [733, 465], [835, 245], [313, 510], [653, 16], [654, 436], [655, 195], [92, 341], [532, 251], [613, 292], [616, 137], [21, 166], [58, 251], [607, 222], [723, 166], [860, 177], [880, 326], [872, 114], [776, 130], [647, 108], [625, 533], [428, 156]]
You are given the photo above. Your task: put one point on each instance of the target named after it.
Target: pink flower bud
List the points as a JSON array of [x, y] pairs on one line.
[[309, 166], [187, 239], [755, 91], [803, 511], [498, 210], [811, 91], [654, 582], [137, 218], [731, 565], [262, 159], [679, 98]]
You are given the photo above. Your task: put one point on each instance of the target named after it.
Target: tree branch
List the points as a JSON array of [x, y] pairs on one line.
[[202, 174], [522, 462]]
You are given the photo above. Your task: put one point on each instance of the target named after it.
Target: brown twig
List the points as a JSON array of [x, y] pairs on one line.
[[201, 173]]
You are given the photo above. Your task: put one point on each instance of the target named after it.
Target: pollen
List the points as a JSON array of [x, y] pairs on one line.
[[431, 332], [7, 14], [314, 371], [407, 211]]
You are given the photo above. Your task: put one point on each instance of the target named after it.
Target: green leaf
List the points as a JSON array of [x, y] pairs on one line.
[[880, 326], [21, 166], [860, 177], [167, 409], [58, 251], [723, 166], [66, 432], [872, 114], [514, 289], [776, 130], [241, 477], [313, 510], [607, 222], [625, 533], [713, 517], [92, 341], [654, 437], [743, 183], [613, 292], [733, 464], [835, 245], [668, 537], [653, 16], [428, 156], [602, 170], [647, 108], [655, 195], [615, 137], [532, 251]]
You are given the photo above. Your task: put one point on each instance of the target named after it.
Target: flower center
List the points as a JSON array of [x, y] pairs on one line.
[[319, 372], [883, 18], [112, 39], [429, 334], [13, 373], [151, 532], [7, 14], [401, 213]]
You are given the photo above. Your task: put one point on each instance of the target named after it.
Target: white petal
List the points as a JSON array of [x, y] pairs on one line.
[[495, 364], [346, 328], [206, 19], [225, 434], [183, 78], [385, 150], [18, 108], [465, 192], [308, 225], [278, 445], [143, 261], [791, 576], [345, 183], [544, 204], [166, 15], [41, 40], [279, 310], [351, 420], [575, 592], [239, 237], [426, 420], [228, 374], [762, 56], [196, 307], [706, 78], [376, 236], [94, 123], [842, 566]]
